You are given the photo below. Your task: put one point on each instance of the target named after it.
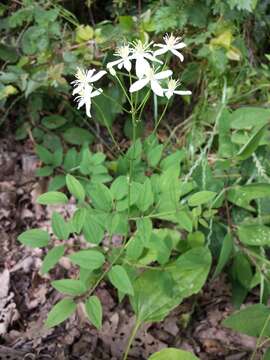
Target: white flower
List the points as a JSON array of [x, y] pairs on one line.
[[124, 61], [153, 78], [141, 52], [172, 44], [85, 96], [172, 85], [85, 77]]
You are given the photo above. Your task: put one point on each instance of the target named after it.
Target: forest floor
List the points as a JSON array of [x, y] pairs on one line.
[[26, 296]]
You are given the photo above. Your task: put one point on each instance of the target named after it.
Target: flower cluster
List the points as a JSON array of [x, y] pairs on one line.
[[149, 70], [84, 89]]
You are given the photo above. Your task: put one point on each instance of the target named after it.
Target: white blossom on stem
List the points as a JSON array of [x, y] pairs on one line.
[[124, 53], [152, 78], [172, 85], [172, 44], [141, 53], [85, 77], [85, 96]]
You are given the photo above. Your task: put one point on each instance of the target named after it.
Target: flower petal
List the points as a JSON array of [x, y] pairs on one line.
[[112, 71], [142, 66], [159, 45], [89, 74], [156, 88], [182, 92], [178, 54], [97, 76], [88, 107], [127, 65], [152, 58], [181, 45], [168, 94], [161, 51], [113, 63], [78, 89], [96, 92], [138, 85], [163, 74]]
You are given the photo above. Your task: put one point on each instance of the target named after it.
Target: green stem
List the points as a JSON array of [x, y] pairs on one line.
[[161, 117], [107, 126], [131, 338], [124, 91]]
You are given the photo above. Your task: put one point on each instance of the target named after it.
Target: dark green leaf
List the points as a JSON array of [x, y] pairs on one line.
[[251, 321], [78, 136], [201, 197], [119, 278], [75, 187], [69, 286], [34, 238], [60, 312], [248, 149], [224, 255], [94, 311], [173, 354], [52, 198], [60, 227], [53, 121], [254, 235], [88, 259], [52, 258]]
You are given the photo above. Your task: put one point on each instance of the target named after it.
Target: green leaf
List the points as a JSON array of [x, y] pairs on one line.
[[44, 171], [266, 354], [172, 160], [153, 296], [242, 270], [88, 259], [57, 182], [71, 159], [44, 154], [69, 286], [93, 309], [190, 271], [248, 149], [52, 197], [185, 220], [78, 136], [53, 121], [119, 278], [154, 155], [60, 227], [78, 219], [146, 196], [250, 321], [201, 197], [227, 247], [100, 196], [52, 258], [135, 151], [34, 238], [248, 117], [75, 187], [242, 195], [119, 187], [8, 53], [135, 247], [60, 312], [144, 229], [254, 235], [173, 354], [92, 230]]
